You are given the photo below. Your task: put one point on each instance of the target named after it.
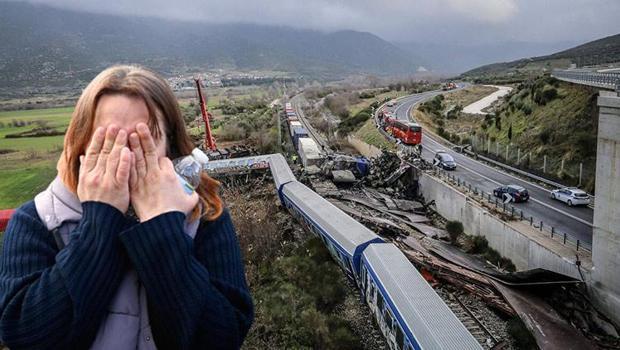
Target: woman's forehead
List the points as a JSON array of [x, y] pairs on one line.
[[122, 110]]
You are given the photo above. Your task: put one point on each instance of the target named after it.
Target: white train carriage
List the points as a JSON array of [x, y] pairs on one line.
[[245, 163], [409, 312], [344, 237]]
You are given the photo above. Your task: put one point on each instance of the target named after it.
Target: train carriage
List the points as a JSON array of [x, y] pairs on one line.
[[409, 312], [345, 237]]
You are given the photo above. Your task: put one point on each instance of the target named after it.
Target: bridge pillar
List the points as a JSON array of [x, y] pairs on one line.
[[606, 238]]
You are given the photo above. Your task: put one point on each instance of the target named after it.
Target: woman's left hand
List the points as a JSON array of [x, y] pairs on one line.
[[154, 186]]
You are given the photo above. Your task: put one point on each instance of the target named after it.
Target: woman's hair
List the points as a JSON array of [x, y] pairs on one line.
[[162, 105]]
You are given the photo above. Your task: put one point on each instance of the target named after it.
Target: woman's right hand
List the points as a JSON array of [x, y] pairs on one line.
[[104, 170]]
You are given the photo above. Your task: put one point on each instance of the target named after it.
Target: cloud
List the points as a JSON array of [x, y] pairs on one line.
[[456, 21], [484, 10]]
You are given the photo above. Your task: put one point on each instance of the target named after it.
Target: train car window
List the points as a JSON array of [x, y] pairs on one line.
[[400, 337]]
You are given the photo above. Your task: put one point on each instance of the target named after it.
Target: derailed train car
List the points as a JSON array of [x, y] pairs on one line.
[[344, 237], [410, 314]]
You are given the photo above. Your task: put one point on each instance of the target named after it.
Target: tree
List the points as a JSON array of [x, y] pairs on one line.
[[455, 229], [510, 132]]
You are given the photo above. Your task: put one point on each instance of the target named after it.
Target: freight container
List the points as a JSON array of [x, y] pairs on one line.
[[292, 125], [298, 133], [309, 152]]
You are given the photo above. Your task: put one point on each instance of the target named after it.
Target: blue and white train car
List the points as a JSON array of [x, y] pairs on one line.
[[345, 237], [409, 312]]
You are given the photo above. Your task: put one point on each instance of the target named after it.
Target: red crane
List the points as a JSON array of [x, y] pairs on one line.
[[209, 140]]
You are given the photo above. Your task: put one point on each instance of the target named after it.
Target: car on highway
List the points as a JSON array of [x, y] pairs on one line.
[[571, 196], [518, 193], [444, 160]]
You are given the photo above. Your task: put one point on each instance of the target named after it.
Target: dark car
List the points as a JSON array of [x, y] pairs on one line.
[[444, 160], [518, 193]]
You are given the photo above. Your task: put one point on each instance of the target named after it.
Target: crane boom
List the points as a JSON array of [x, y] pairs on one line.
[[209, 140]]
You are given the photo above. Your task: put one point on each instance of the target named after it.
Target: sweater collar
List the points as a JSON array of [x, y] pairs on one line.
[[62, 205]]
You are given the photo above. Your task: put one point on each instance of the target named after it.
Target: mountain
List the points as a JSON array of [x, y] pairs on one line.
[[601, 51], [48, 46], [455, 58]]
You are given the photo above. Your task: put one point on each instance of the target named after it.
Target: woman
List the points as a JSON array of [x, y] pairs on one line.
[[80, 270]]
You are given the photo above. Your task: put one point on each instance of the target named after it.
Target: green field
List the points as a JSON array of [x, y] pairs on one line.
[[57, 118], [28, 164]]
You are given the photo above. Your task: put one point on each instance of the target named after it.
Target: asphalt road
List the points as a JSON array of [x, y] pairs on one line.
[[575, 221]]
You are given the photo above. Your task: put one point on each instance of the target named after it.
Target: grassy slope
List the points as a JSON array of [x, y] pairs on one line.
[[369, 134], [564, 128]]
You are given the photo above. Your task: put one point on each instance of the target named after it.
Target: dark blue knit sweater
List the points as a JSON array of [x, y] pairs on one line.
[[50, 299]]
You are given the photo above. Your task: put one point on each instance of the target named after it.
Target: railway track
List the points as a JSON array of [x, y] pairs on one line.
[[315, 135], [472, 323]]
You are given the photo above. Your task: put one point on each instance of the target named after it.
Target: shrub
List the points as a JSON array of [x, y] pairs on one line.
[[455, 229], [479, 244], [355, 122], [366, 95], [545, 136]]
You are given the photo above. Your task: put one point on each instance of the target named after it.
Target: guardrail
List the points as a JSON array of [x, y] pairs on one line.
[[510, 211], [597, 79]]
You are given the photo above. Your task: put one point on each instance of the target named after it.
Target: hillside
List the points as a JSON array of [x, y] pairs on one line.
[[53, 47], [547, 117], [605, 50]]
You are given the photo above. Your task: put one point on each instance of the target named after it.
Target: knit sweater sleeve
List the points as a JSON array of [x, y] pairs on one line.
[[51, 299], [197, 293]]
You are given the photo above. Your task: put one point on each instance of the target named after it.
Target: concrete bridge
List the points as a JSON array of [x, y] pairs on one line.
[[602, 80]]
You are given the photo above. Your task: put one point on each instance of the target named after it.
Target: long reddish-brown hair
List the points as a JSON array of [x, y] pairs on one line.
[[162, 105]]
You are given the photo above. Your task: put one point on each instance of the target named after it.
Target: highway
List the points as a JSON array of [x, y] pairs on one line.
[[576, 222]]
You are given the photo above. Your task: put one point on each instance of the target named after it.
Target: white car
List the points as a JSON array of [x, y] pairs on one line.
[[571, 196]]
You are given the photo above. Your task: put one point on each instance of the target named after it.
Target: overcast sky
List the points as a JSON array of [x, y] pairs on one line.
[[453, 21]]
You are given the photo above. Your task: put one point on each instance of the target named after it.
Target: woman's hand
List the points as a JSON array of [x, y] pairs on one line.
[[154, 186], [105, 169]]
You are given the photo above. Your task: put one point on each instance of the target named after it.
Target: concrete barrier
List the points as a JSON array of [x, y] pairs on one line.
[[515, 240]]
